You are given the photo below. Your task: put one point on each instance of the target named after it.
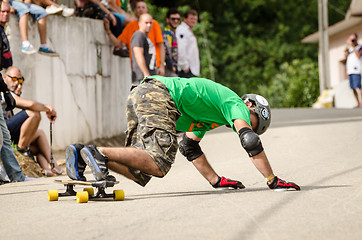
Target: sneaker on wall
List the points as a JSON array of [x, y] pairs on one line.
[[48, 52], [28, 50], [67, 12], [53, 10]]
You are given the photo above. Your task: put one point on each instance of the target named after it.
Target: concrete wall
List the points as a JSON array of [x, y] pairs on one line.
[[87, 85]]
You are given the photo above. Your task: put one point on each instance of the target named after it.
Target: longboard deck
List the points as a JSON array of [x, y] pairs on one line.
[[87, 183]]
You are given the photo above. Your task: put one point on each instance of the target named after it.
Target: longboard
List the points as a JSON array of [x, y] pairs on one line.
[[87, 193]]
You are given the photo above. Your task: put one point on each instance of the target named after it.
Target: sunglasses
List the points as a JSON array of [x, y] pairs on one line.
[[14, 79], [174, 19]]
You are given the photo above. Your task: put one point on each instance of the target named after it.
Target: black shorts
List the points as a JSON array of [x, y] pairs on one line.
[[14, 124]]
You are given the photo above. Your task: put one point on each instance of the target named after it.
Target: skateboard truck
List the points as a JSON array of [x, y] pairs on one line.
[[87, 193]]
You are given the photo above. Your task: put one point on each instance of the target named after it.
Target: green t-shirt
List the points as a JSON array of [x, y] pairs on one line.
[[204, 104]]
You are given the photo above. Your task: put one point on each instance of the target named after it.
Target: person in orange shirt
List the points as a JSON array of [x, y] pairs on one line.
[[155, 35]]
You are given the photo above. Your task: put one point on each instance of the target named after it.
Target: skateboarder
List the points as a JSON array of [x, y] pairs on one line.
[[160, 106]]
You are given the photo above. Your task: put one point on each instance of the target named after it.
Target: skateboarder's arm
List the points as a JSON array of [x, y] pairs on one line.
[[202, 165], [260, 160]]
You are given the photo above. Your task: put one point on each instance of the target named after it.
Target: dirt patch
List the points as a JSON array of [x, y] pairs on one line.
[[29, 166]]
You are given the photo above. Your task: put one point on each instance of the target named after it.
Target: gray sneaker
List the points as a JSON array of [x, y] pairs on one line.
[[97, 162]]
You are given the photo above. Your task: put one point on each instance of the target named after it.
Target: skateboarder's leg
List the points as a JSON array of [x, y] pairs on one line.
[[121, 169], [151, 156], [151, 142], [133, 158]]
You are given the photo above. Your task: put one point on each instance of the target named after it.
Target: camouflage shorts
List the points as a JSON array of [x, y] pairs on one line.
[[152, 116]]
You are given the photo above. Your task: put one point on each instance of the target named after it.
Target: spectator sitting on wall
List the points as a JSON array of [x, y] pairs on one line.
[[39, 15], [100, 10], [51, 7]]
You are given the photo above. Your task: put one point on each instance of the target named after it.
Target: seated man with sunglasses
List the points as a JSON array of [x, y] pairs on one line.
[[23, 126]]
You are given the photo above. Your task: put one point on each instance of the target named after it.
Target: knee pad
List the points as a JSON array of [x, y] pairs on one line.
[[190, 148], [250, 141]]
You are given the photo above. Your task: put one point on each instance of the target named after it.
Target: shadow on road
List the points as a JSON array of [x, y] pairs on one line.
[[309, 188], [193, 193], [218, 192]]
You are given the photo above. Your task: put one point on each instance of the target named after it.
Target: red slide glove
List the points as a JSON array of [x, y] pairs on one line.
[[279, 185], [224, 183]]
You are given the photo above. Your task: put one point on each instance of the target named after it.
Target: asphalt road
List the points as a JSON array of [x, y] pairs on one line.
[[318, 149]]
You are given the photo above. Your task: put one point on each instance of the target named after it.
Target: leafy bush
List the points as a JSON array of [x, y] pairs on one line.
[[297, 85]]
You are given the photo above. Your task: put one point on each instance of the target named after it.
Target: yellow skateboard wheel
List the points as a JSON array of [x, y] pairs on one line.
[[89, 190], [82, 197], [118, 195], [53, 195]]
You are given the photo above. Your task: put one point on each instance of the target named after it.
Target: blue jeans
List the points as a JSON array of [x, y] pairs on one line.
[[35, 11], [8, 158]]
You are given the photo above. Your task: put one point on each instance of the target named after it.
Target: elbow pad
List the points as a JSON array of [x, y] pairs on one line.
[[250, 141]]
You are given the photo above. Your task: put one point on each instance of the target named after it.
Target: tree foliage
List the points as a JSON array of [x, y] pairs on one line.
[[296, 84], [254, 45]]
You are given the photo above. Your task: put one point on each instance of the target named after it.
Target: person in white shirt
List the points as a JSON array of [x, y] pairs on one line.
[[353, 64], [188, 52]]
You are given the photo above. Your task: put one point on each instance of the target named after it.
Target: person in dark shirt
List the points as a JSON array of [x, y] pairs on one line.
[[6, 57], [8, 158]]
